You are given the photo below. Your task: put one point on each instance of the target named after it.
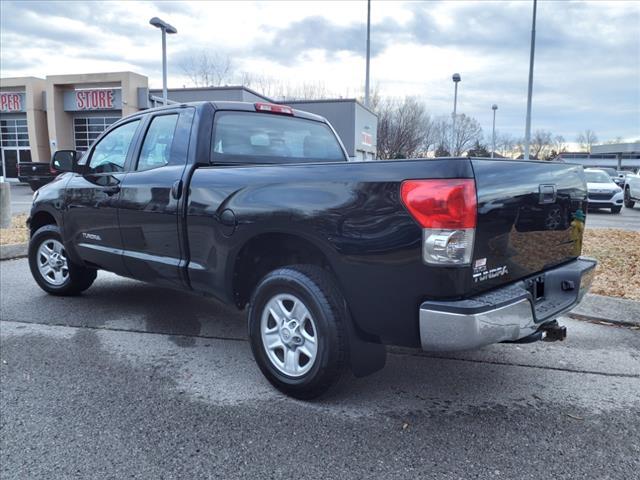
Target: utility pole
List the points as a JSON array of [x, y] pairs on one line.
[[367, 100], [494, 107], [527, 132]]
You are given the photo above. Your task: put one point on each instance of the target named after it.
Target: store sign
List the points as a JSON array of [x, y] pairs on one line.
[[91, 100], [366, 139], [11, 102]]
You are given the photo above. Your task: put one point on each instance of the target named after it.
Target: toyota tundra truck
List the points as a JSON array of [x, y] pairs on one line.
[[258, 206]]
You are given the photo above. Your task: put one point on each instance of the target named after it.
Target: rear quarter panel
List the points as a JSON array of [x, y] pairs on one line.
[[351, 211]]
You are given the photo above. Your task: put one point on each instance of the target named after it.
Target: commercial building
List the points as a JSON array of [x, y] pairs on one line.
[[621, 156], [39, 116], [23, 123]]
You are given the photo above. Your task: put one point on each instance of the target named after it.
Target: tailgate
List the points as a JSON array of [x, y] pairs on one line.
[[530, 218]]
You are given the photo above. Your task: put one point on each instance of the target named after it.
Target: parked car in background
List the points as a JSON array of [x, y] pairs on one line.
[[36, 174], [602, 191], [614, 174], [632, 189]]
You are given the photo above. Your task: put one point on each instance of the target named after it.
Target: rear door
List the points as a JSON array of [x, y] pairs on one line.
[[91, 217], [150, 197], [530, 218]]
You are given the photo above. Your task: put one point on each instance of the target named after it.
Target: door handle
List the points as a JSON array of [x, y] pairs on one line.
[[176, 190], [111, 190]]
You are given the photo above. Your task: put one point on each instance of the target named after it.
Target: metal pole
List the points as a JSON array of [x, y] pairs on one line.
[[493, 135], [527, 132], [366, 81], [164, 65], [453, 127]]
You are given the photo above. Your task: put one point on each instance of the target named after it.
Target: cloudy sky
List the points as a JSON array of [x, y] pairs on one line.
[[587, 71]]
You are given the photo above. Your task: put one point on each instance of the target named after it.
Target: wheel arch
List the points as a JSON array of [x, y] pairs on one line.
[[265, 252]]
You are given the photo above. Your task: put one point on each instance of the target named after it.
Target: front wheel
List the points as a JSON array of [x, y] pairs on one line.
[[297, 328], [627, 198], [52, 270], [616, 209]]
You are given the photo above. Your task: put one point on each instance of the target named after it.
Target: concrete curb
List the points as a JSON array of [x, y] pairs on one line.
[[17, 250], [614, 310]]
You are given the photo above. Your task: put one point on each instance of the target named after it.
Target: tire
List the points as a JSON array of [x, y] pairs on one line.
[[35, 186], [46, 252], [627, 198], [309, 298], [616, 209]]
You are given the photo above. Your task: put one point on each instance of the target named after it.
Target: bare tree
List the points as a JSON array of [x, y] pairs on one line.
[[558, 144], [587, 139], [404, 128], [540, 144], [207, 69], [468, 131], [505, 144]]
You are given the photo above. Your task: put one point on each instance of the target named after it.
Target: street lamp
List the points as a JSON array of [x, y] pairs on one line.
[[456, 78], [166, 28], [494, 107]]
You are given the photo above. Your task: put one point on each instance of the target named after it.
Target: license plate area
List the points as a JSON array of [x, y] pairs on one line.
[[535, 286]]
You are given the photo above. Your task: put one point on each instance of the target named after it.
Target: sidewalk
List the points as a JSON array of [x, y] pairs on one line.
[[608, 309]]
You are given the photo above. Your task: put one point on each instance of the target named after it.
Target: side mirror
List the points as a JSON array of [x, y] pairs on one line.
[[65, 161]]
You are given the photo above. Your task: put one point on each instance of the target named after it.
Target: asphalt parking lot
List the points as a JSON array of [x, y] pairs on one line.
[[627, 219], [21, 196], [134, 381]]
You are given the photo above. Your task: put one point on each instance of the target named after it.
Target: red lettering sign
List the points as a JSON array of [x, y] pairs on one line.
[[94, 99], [10, 102], [367, 139]]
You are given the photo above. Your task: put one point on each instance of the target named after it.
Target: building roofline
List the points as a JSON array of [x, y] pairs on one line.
[[221, 87]]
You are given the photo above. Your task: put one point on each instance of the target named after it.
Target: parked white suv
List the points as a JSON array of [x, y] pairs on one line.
[[602, 190], [632, 189]]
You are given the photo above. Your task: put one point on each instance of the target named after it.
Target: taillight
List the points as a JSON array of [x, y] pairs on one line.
[[274, 108], [446, 210]]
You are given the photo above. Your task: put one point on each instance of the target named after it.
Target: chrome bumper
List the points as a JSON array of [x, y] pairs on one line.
[[506, 314]]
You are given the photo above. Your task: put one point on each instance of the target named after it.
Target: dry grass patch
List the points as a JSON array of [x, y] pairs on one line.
[[618, 255], [16, 233]]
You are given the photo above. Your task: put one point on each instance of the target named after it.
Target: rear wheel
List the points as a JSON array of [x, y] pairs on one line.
[[297, 328], [627, 198], [52, 269], [616, 209], [35, 185]]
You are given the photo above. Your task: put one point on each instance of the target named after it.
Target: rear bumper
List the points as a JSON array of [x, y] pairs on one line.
[[505, 314]]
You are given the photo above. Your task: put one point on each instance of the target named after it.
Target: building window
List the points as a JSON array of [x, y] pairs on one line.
[[13, 133], [86, 130]]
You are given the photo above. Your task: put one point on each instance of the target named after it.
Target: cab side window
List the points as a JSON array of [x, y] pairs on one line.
[[110, 154], [156, 149]]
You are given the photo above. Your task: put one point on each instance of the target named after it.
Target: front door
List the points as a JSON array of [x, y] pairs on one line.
[[150, 198], [91, 217]]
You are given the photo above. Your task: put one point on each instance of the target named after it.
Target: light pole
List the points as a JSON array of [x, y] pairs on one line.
[[494, 107], [527, 131], [166, 28], [366, 81], [456, 78]]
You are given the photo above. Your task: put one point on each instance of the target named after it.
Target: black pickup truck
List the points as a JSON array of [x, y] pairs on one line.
[[258, 206], [36, 174]]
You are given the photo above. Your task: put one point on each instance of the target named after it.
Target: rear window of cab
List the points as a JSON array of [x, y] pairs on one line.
[[253, 138]]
